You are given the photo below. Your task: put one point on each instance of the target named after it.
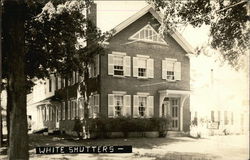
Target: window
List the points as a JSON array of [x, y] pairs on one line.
[[94, 106], [143, 67], [119, 104], [119, 64], [147, 34], [171, 69], [143, 105]]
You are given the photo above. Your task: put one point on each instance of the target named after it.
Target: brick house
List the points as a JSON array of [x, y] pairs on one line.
[[142, 75]]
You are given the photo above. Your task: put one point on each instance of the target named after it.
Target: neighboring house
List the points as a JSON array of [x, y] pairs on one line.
[[142, 75]]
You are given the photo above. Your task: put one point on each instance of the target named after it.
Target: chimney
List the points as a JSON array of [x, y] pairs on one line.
[[91, 13]]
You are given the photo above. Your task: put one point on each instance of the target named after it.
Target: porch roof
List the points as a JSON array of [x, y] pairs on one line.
[[179, 92], [48, 100]]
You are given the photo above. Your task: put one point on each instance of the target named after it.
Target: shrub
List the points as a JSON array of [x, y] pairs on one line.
[[128, 124]]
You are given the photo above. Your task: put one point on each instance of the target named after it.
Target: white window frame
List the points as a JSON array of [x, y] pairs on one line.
[[149, 67], [149, 108], [125, 107], [172, 66], [126, 64], [94, 107]]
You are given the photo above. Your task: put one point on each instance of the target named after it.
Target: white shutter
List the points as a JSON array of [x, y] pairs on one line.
[[127, 70], [77, 75], [90, 71], [111, 109], [68, 110], [150, 68], [177, 70], [72, 110], [127, 105], [136, 106], [97, 65], [91, 105], [164, 69], [110, 64], [135, 67], [97, 104], [150, 106], [73, 77], [59, 82]]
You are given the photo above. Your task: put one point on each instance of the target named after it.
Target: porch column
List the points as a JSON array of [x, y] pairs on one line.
[[163, 94], [182, 102]]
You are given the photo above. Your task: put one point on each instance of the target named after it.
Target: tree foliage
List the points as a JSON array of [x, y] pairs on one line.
[[227, 19], [55, 39]]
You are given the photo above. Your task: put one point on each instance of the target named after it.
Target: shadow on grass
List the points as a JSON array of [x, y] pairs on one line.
[[39, 140], [65, 140]]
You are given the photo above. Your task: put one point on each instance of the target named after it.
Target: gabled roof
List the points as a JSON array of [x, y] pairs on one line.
[[175, 34]]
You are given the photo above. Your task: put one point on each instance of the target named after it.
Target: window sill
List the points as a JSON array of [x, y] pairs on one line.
[[172, 81], [142, 78], [117, 76]]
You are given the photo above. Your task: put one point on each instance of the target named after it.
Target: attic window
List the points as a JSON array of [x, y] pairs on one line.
[[147, 34]]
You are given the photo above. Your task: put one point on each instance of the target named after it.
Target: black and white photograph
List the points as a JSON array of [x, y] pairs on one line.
[[117, 79]]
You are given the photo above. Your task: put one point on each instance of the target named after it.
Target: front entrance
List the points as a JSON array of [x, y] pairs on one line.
[[175, 113], [171, 107]]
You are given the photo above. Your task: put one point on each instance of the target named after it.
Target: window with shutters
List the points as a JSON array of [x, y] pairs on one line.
[[143, 106], [143, 67], [94, 106], [119, 105], [119, 64], [148, 34], [171, 69]]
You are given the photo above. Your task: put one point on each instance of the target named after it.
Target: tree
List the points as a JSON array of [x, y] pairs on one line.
[[228, 20], [14, 11], [51, 45]]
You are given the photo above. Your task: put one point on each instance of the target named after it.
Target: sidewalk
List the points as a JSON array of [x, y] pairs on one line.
[[178, 148]]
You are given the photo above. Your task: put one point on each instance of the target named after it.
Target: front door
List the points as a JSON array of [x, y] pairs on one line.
[[175, 113]]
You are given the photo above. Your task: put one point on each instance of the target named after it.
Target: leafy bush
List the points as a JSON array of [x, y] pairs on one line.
[[127, 124]]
